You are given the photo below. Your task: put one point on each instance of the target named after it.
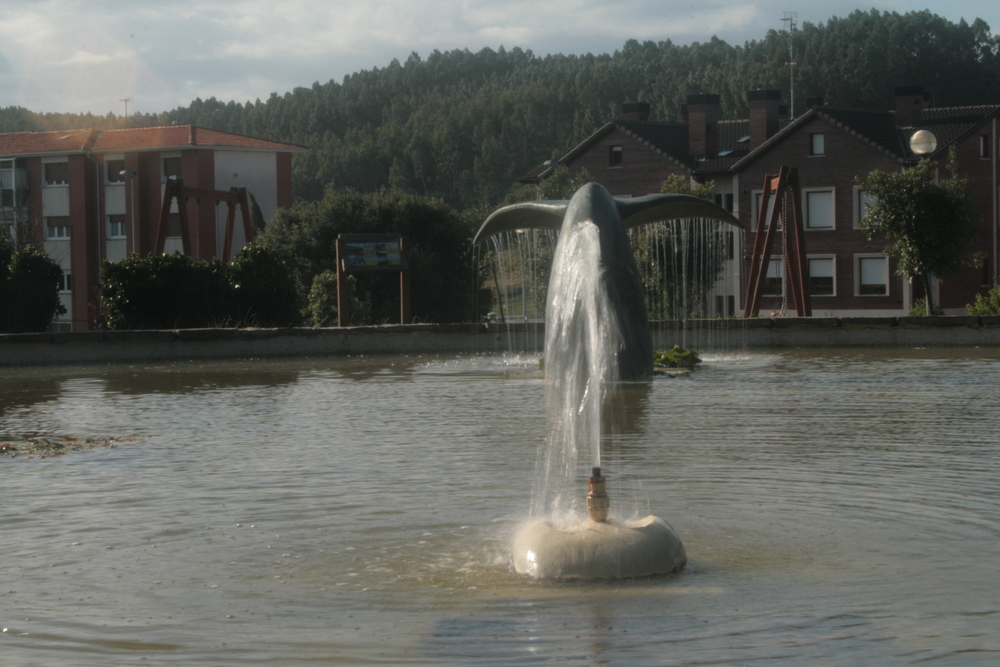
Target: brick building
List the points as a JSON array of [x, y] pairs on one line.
[[87, 196], [832, 149]]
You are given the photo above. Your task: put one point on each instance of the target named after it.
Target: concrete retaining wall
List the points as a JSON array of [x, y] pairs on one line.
[[702, 335]]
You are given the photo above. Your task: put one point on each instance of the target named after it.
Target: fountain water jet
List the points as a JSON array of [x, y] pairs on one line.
[[596, 336]]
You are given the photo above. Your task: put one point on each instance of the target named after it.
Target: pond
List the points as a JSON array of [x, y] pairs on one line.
[[837, 507]]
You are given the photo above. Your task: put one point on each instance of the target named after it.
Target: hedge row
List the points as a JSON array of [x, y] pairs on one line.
[[179, 292]]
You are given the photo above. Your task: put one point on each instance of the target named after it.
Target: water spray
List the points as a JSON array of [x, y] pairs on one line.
[[598, 503]]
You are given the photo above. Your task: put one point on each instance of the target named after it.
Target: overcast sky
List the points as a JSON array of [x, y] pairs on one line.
[[86, 55]]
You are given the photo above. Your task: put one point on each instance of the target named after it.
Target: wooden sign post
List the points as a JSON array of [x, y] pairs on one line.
[[359, 253]]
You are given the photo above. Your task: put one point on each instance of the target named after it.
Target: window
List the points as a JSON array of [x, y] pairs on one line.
[[171, 168], [817, 144], [66, 282], [873, 275], [724, 200], [116, 226], [57, 227], [819, 209], [13, 190], [984, 145], [862, 200], [756, 197], [6, 174], [614, 156], [8, 228], [115, 169], [772, 281], [57, 173], [821, 270]]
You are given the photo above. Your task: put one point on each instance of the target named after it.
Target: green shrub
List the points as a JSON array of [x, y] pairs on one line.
[[985, 306], [322, 307], [165, 292], [263, 289], [29, 289], [321, 310], [676, 357], [919, 308]]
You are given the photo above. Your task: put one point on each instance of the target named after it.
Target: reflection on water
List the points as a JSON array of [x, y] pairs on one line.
[[838, 507]]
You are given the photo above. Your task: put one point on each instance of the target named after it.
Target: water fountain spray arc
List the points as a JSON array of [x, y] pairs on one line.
[[596, 337]]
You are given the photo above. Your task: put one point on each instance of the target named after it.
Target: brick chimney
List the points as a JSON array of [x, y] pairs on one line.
[[814, 101], [635, 111], [910, 101], [703, 125], [763, 115]]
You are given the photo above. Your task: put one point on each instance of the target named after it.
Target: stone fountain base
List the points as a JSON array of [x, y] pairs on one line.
[[599, 550]]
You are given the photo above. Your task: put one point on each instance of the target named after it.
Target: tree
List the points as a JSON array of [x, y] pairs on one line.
[[29, 289], [439, 242], [931, 227]]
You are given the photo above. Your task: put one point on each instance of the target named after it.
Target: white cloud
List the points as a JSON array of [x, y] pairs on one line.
[[72, 55]]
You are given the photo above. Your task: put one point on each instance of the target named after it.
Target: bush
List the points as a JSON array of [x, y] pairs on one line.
[[263, 289], [29, 289], [165, 292], [322, 308], [985, 306], [919, 308]]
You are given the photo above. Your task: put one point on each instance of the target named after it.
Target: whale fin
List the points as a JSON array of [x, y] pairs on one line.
[[528, 215], [660, 208]]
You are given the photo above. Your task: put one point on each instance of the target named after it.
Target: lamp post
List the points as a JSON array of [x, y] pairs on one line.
[[131, 176], [923, 143]]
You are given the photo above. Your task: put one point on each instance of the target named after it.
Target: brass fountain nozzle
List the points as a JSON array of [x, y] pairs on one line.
[[597, 497]]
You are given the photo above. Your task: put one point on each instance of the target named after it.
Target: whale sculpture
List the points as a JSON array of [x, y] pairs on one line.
[[596, 337], [593, 208]]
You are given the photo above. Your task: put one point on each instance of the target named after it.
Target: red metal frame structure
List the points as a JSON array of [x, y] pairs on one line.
[[233, 197], [771, 211]]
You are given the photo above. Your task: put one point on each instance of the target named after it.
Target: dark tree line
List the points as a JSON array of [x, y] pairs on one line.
[[463, 126]]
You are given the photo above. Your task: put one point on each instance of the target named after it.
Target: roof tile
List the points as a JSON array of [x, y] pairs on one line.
[[131, 139], [40, 143]]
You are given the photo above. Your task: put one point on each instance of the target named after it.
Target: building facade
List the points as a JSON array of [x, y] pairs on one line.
[[86, 196], [832, 150]]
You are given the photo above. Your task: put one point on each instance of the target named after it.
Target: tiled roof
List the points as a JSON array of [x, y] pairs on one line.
[[181, 136], [668, 139], [138, 138], [876, 128], [41, 143], [949, 125]]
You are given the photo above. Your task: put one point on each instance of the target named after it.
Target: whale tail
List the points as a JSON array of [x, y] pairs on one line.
[[633, 212]]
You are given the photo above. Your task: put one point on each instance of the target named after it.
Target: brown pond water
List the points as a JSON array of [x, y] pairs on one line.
[[838, 507]]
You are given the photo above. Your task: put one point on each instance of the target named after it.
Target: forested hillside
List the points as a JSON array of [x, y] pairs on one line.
[[464, 126]]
